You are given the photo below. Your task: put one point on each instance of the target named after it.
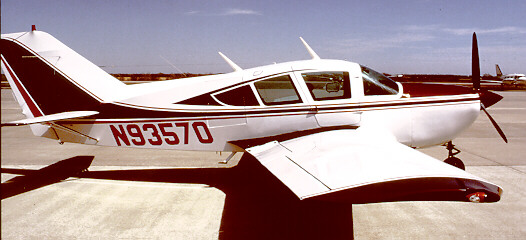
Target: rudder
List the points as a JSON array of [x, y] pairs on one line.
[[497, 69], [47, 77]]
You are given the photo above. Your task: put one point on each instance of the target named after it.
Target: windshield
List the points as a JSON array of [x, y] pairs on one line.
[[375, 83]]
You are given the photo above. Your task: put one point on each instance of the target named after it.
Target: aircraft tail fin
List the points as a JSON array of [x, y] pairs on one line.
[[497, 69], [47, 77]]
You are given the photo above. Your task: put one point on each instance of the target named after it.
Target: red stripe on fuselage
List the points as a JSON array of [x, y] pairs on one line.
[[357, 105], [367, 106], [27, 98]]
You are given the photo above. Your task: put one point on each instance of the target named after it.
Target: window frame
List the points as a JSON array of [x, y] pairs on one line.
[[236, 87], [354, 92], [295, 86], [346, 76]]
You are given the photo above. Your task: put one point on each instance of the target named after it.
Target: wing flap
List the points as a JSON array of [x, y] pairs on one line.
[[365, 166], [277, 160]]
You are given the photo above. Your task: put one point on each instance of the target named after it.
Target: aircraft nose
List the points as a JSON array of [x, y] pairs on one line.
[[489, 98]]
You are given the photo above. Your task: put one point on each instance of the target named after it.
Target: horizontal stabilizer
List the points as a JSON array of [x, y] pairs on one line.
[[51, 118]]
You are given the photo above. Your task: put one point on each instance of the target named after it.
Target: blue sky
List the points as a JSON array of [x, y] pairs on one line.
[[407, 36]]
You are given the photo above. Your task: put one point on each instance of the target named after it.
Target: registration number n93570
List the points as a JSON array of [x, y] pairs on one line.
[[159, 133]]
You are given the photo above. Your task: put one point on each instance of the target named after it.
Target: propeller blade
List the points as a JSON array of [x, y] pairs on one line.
[[489, 98], [486, 97], [475, 66], [494, 123]]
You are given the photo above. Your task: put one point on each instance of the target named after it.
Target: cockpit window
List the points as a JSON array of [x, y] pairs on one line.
[[375, 83], [241, 96], [328, 85], [277, 90]]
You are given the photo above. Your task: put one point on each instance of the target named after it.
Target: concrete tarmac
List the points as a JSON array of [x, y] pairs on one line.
[[152, 194]]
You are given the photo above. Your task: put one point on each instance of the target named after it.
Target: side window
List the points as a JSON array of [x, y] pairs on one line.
[[277, 90], [241, 96], [375, 83], [328, 85]]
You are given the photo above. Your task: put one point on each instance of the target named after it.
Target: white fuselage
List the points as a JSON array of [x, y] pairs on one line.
[[209, 113], [414, 121], [514, 79]]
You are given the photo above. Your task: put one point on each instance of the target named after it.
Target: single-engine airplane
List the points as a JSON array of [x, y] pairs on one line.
[[328, 129]]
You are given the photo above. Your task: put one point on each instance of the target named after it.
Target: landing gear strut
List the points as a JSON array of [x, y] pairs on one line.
[[451, 159]]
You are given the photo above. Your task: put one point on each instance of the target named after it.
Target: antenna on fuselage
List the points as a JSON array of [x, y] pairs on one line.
[[176, 68], [231, 63], [309, 49]]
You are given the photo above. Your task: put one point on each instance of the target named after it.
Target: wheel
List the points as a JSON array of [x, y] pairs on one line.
[[453, 161]]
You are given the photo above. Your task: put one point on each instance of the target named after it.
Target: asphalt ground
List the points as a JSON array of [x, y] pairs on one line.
[[157, 194]]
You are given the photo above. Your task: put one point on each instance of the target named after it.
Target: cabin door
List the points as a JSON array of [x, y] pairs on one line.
[[331, 98]]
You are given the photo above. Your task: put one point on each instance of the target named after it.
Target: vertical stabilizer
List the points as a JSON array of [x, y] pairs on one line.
[[497, 69], [47, 77]]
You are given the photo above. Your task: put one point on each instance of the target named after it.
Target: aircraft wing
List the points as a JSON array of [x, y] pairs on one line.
[[490, 81], [363, 166]]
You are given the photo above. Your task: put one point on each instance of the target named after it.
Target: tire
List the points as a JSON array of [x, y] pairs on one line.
[[453, 161]]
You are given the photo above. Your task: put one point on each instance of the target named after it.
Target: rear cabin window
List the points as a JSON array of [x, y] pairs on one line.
[[277, 91], [241, 96], [328, 85], [375, 83]]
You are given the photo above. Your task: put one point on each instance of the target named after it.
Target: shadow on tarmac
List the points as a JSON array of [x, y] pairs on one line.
[[33, 179], [257, 204]]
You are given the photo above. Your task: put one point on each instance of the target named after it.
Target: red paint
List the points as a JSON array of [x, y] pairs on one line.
[[155, 134], [134, 134], [29, 101], [168, 134], [119, 135]]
